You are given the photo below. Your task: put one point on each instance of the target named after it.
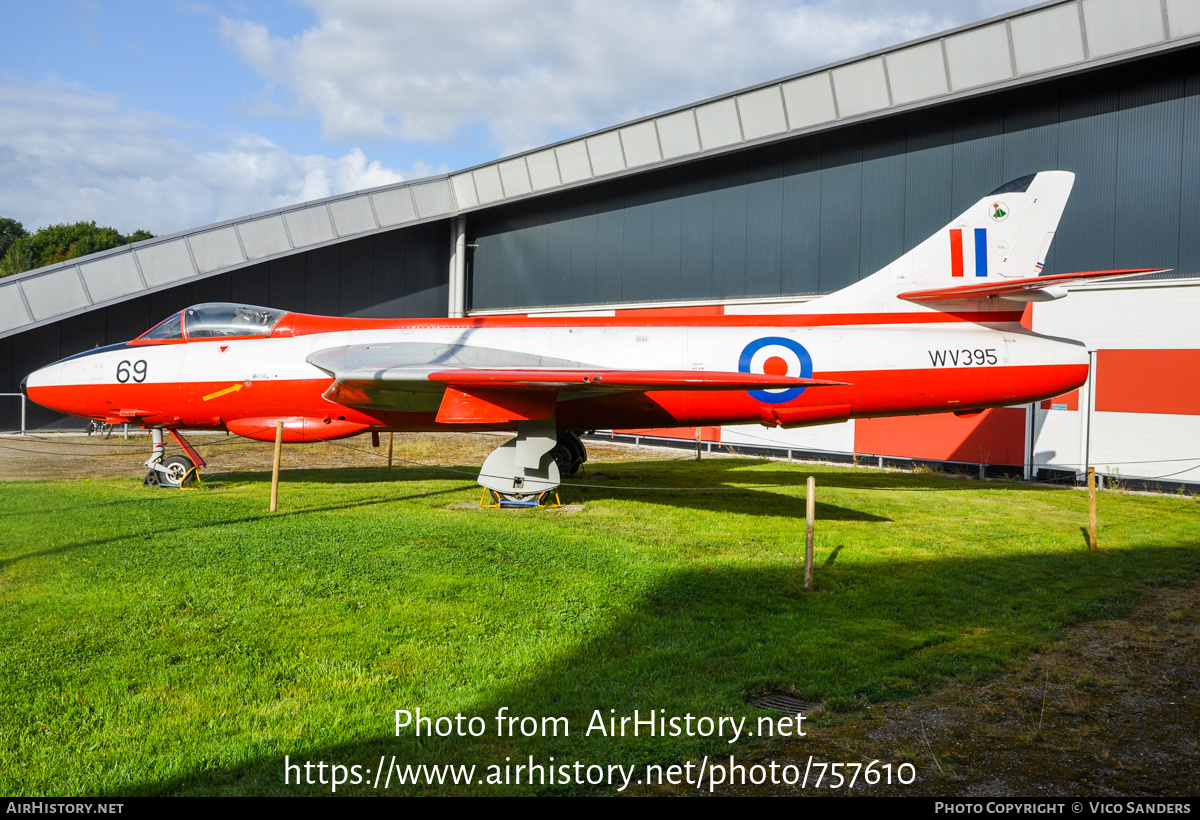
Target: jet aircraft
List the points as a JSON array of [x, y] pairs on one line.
[[937, 330]]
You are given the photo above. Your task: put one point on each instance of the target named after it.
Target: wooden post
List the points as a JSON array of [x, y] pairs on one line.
[[275, 467], [391, 436], [810, 514], [698, 444], [1092, 508]]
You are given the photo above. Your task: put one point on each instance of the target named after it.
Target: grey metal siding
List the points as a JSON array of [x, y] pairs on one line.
[[814, 214]]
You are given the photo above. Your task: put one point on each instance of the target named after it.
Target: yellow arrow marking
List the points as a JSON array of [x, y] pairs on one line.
[[219, 393]]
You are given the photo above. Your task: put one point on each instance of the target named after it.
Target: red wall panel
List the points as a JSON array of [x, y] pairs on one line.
[[995, 436], [1148, 381], [1071, 400]]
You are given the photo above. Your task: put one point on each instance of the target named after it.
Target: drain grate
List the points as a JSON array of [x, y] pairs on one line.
[[786, 703]]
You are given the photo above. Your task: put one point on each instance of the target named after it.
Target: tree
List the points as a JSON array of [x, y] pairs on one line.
[[10, 231], [58, 243]]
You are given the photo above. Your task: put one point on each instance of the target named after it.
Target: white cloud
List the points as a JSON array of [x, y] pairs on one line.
[[527, 71], [69, 154]]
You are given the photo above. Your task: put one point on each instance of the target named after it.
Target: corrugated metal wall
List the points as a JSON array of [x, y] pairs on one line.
[[815, 214], [401, 273]]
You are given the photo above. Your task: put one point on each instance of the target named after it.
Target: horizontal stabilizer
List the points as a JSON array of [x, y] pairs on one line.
[[532, 378], [1016, 289]]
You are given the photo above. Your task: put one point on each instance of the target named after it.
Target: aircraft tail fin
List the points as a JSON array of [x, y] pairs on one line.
[[1003, 237]]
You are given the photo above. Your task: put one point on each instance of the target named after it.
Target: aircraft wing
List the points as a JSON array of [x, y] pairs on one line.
[[494, 393], [519, 378], [1019, 289]]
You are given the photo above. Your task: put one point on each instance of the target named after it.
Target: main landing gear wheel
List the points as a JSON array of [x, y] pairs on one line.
[[569, 453]]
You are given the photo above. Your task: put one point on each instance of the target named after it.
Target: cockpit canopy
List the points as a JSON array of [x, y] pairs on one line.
[[215, 320]]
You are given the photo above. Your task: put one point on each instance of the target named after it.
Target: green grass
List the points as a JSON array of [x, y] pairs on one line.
[[156, 641]]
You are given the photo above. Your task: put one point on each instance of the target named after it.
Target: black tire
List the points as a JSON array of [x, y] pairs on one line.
[[573, 440], [565, 459], [569, 454], [180, 471]]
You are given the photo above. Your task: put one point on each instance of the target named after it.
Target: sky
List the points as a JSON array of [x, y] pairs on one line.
[[170, 114]]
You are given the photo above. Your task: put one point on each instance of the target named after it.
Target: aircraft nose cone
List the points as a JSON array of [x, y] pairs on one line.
[[25, 387]]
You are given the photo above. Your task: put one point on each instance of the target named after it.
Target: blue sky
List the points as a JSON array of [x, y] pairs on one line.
[[168, 115]]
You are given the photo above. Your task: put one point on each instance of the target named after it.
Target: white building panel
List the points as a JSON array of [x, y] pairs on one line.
[[218, 249], [917, 73], [861, 87], [111, 277], [1151, 446], [1047, 39], [307, 226], [515, 177], [605, 151], [1183, 17], [165, 263], [353, 215], [979, 57], [12, 307], [762, 113], [809, 101], [573, 162], [391, 207], [1119, 25], [1134, 317], [433, 198], [1056, 437], [464, 192], [640, 143], [826, 438], [678, 135], [54, 293], [543, 170], [718, 123], [487, 184], [263, 237]]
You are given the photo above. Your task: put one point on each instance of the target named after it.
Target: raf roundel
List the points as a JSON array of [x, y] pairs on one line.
[[776, 356]]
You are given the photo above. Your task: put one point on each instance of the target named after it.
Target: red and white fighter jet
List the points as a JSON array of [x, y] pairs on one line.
[[937, 330]]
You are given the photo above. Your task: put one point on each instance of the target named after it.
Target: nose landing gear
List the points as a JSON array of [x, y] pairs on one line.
[[173, 471]]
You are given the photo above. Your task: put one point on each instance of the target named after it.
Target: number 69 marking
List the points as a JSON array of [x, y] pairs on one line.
[[138, 374]]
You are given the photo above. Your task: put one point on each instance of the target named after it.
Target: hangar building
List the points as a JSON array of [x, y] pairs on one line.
[[755, 200]]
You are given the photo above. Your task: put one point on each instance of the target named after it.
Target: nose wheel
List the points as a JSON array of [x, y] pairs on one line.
[[177, 471], [172, 471]]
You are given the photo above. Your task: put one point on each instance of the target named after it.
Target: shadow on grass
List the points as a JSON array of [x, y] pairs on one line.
[[720, 495], [707, 642], [156, 530]]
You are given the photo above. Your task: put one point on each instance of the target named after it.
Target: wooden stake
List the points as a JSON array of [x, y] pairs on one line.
[[697, 444], [275, 467], [1092, 508], [391, 436], [810, 515]]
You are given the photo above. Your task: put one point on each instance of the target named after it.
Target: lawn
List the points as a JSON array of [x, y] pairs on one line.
[[156, 641]]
